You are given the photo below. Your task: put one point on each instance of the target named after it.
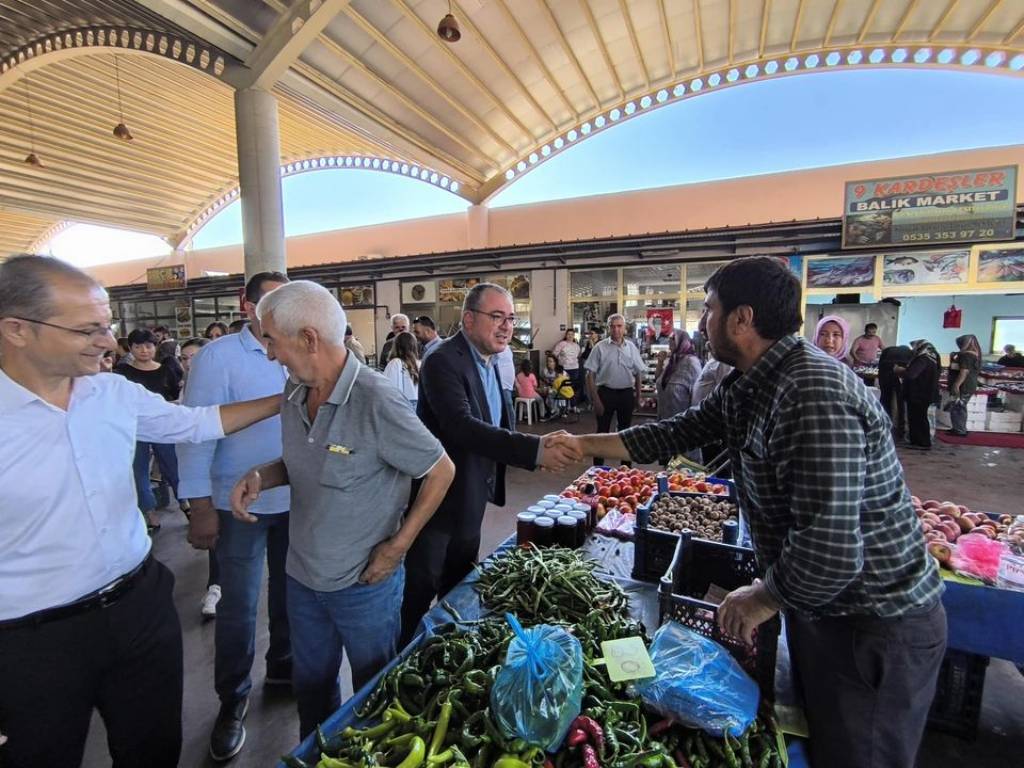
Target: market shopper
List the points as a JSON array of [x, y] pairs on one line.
[[921, 391], [403, 369], [1011, 357], [614, 371], [399, 324], [215, 330], [830, 517], [567, 352], [676, 375], [964, 367], [353, 345], [832, 336], [460, 402], [425, 331], [867, 347], [87, 620], [162, 379], [350, 451], [237, 367], [526, 389], [894, 401]]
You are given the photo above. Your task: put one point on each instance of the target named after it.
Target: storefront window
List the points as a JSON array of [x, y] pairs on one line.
[[442, 301], [696, 276]]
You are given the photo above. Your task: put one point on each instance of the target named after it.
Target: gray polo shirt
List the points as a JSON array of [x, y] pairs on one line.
[[350, 473], [615, 365]]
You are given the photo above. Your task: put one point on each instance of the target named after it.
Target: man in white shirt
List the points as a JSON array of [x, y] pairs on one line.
[[86, 615], [614, 372]]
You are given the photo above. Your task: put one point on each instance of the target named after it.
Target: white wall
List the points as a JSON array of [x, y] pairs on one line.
[[921, 318], [388, 293], [548, 306]]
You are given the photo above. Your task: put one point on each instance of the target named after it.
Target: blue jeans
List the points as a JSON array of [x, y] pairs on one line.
[[166, 459], [241, 549], [363, 620]]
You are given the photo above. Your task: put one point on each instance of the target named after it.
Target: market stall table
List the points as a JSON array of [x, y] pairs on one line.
[[615, 559]]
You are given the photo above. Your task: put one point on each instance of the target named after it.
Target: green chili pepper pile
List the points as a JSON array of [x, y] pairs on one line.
[[551, 585], [432, 709]]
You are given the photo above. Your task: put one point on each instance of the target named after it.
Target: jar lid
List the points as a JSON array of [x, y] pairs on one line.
[[526, 517], [567, 520], [544, 522]]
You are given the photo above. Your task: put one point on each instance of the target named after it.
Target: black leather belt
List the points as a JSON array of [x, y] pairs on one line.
[[101, 598]]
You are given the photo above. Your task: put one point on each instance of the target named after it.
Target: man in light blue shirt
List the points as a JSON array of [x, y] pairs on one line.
[[231, 368]]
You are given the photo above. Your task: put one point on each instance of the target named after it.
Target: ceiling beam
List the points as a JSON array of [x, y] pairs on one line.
[[766, 12], [796, 26], [570, 53], [832, 23], [291, 34], [982, 19], [468, 73], [937, 29], [472, 28], [535, 54], [399, 55], [596, 32], [698, 33], [904, 19], [1018, 28], [868, 19], [637, 51], [732, 28]]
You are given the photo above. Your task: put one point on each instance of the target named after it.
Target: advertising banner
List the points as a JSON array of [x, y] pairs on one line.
[[957, 207], [165, 278], [928, 268]]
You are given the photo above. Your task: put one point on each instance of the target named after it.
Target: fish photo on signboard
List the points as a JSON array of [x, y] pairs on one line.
[[1001, 265], [927, 268], [849, 272]]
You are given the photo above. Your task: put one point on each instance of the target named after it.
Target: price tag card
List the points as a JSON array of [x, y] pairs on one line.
[[626, 659]]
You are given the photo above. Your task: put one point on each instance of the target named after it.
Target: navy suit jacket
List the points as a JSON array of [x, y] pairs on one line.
[[453, 405]]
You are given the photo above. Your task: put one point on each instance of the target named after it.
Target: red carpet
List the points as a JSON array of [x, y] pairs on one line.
[[987, 439]]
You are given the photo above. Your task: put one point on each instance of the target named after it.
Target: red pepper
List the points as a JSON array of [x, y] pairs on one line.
[[660, 727], [590, 757], [576, 737], [592, 729]]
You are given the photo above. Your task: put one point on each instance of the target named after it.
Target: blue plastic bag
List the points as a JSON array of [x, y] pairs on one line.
[[698, 683], [539, 691]]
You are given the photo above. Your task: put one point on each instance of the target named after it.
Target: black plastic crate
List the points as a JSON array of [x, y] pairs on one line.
[[958, 694], [654, 548], [680, 599]]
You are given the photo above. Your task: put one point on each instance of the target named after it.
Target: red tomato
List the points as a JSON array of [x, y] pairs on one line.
[[615, 489], [702, 487]]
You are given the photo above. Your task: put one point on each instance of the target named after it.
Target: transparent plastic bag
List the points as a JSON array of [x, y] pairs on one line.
[[539, 690], [698, 683]]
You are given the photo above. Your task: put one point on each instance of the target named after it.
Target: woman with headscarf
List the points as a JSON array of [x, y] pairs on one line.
[[964, 367], [676, 374], [832, 336], [921, 391]]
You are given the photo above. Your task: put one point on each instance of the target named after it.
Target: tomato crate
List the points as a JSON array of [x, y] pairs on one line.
[[958, 694], [696, 565], [654, 548]]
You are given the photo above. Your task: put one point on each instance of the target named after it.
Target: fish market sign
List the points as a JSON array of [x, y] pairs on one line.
[[959, 207]]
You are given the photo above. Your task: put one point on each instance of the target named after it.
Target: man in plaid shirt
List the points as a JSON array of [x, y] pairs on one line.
[[831, 520]]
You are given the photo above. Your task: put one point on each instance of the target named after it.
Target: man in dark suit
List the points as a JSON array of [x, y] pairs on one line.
[[460, 401]]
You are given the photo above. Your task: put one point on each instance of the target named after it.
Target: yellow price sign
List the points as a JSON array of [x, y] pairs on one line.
[[626, 659]]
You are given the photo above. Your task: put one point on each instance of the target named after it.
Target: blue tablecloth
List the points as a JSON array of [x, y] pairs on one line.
[[615, 558], [985, 620]]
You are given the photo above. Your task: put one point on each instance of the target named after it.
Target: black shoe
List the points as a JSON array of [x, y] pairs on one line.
[[228, 732], [279, 673]]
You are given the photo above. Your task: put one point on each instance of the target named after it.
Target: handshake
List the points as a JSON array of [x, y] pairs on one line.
[[560, 451]]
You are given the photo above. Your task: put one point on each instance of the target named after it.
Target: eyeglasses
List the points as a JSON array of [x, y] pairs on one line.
[[498, 318], [93, 333]]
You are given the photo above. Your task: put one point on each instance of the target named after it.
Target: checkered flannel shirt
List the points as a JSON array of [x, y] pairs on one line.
[[815, 465]]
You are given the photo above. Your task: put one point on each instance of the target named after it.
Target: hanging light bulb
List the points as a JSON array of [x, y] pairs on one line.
[[448, 29], [120, 130], [31, 158]]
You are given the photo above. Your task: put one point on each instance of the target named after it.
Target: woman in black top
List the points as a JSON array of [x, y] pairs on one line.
[[165, 380], [921, 390]]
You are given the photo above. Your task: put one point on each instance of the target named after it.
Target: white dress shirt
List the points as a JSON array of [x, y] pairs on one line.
[[69, 516]]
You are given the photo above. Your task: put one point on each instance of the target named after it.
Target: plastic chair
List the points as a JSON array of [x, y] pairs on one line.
[[524, 409]]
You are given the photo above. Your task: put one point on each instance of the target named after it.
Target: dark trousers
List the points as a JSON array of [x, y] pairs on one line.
[[894, 402], [867, 685], [619, 403], [958, 415], [436, 562], [124, 660], [241, 550], [919, 428], [579, 384]]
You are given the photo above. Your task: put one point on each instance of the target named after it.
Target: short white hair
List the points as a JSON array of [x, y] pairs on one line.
[[616, 316], [399, 316], [305, 304]]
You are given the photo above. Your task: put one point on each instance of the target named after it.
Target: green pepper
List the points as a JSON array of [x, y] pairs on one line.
[[333, 762], [417, 752], [442, 728], [510, 761], [371, 734]]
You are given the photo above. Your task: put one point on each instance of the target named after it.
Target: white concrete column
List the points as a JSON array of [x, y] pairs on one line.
[[478, 226], [259, 178]]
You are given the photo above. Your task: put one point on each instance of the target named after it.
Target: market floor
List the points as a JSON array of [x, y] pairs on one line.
[[982, 478]]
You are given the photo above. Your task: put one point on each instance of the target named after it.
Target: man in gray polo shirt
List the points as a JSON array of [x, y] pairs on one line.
[[614, 372], [350, 448]]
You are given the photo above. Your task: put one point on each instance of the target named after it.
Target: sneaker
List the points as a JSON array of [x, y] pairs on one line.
[[228, 732], [279, 673], [210, 600]]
